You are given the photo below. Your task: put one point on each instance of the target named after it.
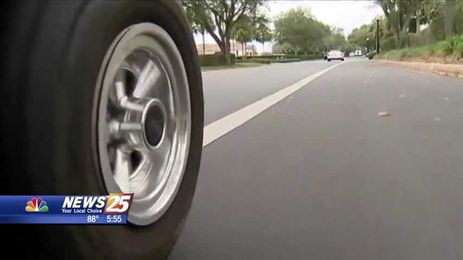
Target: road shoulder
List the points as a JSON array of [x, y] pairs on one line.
[[451, 70]]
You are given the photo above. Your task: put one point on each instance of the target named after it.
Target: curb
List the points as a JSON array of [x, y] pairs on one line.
[[452, 70]]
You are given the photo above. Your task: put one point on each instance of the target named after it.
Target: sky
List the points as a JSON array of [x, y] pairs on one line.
[[347, 15]]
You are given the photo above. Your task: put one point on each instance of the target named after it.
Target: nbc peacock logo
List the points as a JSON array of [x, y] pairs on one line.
[[36, 205]]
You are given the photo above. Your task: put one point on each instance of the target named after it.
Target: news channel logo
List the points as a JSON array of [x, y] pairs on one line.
[[114, 203], [36, 205]]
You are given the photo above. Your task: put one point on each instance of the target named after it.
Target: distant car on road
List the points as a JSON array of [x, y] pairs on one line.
[[335, 55]]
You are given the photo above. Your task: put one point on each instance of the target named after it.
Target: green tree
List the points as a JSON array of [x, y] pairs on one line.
[[291, 29], [429, 11], [244, 32], [459, 18], [399, 14], [360, 35], [334, 39], [262, 31], [298, 30], [450, 10], [219, 17], [445, 18], [319, 34], [199, 25]]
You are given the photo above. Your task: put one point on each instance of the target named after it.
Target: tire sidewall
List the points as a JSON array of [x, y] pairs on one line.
[[71, 112]]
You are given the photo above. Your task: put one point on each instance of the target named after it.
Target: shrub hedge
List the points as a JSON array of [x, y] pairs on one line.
[[267, 59], [305, 57], [286, 60], [215, 60], [452, 47], [219, 59], [255, 60]]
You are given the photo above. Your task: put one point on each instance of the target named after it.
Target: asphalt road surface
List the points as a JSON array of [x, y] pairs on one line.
[[226, 91], [320, 175]]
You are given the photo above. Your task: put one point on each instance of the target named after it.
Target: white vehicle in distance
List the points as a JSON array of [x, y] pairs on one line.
[[335, 55]]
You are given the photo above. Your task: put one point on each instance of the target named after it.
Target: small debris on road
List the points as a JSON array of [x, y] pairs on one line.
[[402, 96], [437, 119], [446, 98], [384, 114]]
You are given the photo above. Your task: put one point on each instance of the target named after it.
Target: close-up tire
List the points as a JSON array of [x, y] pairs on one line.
[[96, 90]]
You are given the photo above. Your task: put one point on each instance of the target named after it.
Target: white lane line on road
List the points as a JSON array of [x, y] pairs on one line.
[[219, 128]]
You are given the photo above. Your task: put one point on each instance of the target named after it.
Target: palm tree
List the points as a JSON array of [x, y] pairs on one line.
[[198, 26], [244, 32], [263, 32]]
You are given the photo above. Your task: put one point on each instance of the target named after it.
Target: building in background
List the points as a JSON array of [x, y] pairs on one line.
[[210, 48], [235, 48]]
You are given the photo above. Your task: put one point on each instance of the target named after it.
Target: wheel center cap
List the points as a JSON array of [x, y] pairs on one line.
[[154, 123]]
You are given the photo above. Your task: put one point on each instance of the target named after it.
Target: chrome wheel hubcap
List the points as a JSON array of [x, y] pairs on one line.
[[144, 120]]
